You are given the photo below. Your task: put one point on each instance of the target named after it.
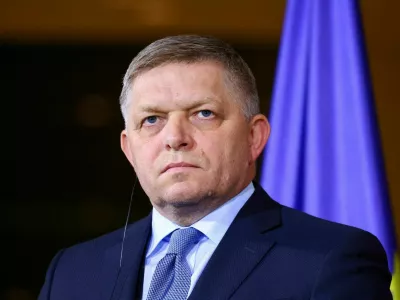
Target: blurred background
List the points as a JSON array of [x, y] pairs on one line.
[[62, 63]]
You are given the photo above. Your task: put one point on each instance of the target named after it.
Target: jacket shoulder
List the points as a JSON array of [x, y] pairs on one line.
[[105, 241], [322, 235]]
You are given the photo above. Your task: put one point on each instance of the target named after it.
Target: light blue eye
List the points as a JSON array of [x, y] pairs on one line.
[[205, 113], [151, 119]]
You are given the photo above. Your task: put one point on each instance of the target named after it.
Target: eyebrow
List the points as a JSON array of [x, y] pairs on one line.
[[149, 108]]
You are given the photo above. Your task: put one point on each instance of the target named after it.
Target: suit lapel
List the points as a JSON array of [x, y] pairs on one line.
[[244, 245], [134, 247]]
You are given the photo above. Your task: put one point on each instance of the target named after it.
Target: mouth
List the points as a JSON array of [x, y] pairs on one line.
[[179, 165]]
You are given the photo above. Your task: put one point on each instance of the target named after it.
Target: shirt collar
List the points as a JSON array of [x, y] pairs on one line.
[[213, 226], [161, 228]]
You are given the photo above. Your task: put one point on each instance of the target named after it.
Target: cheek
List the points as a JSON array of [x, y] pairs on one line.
[[237, 150], [226, 153], [144, 154]]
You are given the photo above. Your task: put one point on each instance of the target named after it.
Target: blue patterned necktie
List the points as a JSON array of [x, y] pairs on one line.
[[171, 279]]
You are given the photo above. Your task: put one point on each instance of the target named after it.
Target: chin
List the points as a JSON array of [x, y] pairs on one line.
[[185, 193]]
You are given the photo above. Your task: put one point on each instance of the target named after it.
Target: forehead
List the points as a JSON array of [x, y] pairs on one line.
[[180, 81]]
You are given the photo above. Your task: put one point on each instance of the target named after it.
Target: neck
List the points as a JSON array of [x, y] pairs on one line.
[[187, 212]]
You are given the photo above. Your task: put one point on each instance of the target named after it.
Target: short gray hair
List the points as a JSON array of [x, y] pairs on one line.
[[194, 49]]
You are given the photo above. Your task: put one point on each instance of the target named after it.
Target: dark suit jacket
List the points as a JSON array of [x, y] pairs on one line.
[[269, 252]]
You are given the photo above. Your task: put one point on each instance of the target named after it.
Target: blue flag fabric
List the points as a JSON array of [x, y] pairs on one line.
[[324, 155]]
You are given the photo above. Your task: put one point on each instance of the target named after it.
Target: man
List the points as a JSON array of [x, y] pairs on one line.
[[193, 133]]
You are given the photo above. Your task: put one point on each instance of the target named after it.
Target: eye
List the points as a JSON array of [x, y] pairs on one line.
[[150, 120], [205, 113]]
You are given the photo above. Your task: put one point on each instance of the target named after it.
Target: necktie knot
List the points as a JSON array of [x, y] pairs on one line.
[[171, 279], [182, 240]]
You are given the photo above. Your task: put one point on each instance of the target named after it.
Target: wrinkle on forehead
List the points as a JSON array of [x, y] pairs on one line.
[[157, 106], [179, 84]]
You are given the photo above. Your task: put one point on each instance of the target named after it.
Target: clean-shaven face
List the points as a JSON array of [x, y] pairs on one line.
[[186, 138]]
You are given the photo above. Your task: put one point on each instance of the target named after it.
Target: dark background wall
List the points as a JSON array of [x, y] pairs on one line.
[[73, 182], [61, 65]]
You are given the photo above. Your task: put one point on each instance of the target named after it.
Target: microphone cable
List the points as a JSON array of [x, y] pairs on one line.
[[126, 222]]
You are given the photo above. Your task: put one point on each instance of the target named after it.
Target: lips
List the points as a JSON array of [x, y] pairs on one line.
[[178, 165]]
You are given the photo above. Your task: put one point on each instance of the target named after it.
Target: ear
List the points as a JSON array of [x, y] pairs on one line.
[[259, 134], [125, 146]]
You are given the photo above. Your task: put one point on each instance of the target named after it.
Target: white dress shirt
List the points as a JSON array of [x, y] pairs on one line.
[[213, 226]]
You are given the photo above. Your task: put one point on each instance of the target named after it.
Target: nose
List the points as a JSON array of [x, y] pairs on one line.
[[178, 134]]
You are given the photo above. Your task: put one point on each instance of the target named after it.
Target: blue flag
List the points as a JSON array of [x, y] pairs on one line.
[[324, 155]]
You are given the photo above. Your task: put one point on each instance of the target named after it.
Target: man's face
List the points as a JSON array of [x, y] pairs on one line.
[[186, 138]]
